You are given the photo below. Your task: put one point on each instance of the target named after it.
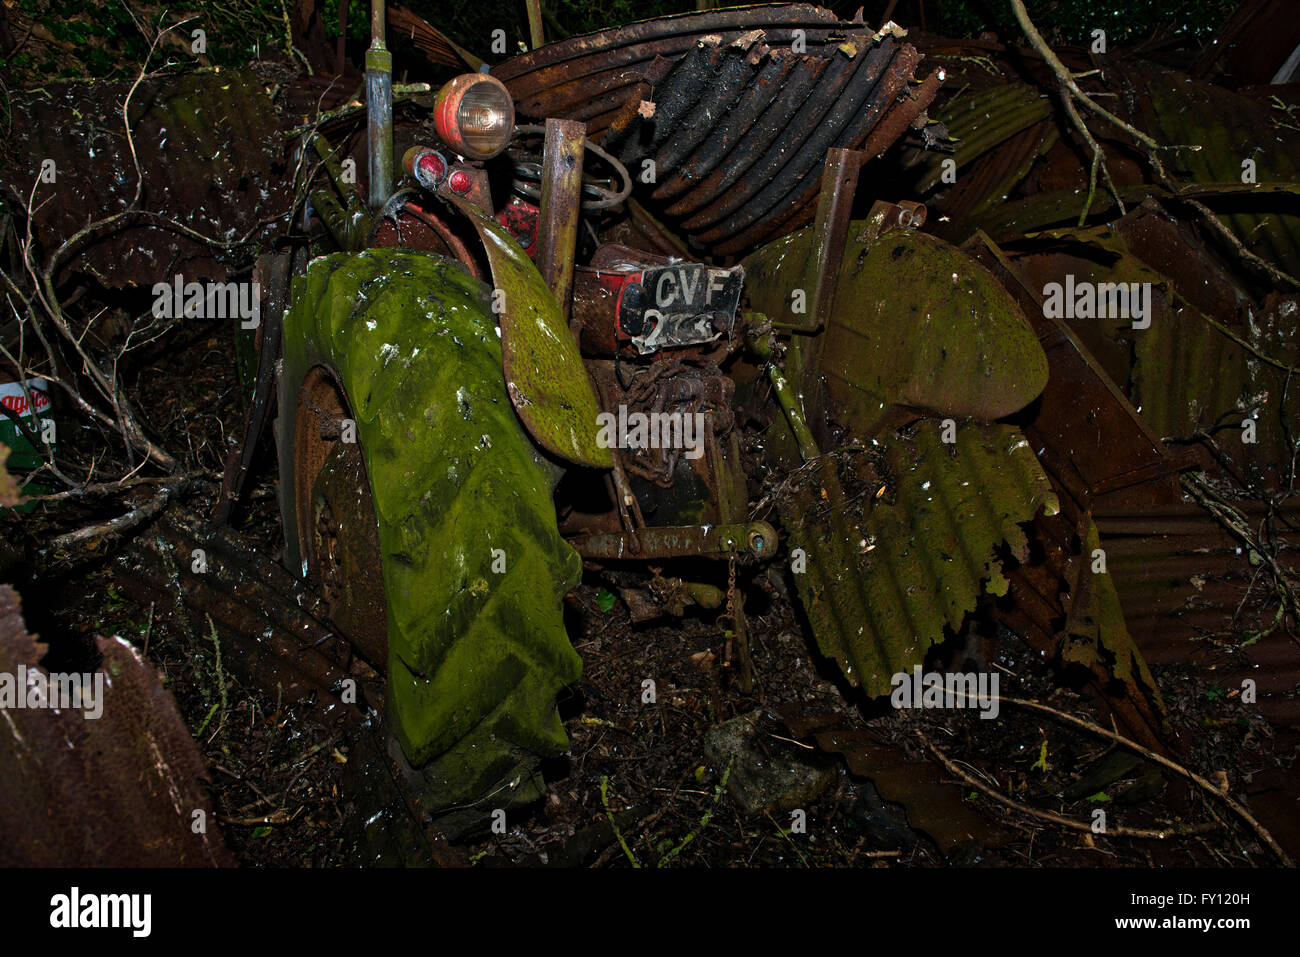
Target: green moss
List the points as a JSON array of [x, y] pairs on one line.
[[476, 655]]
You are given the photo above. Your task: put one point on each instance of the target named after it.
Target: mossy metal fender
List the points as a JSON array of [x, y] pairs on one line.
[[473, 565], [544, 373], [915, 322]]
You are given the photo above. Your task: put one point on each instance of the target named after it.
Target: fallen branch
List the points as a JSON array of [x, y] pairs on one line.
[[401, 91], [113, 487], [1072, 94], [116, 526], [1160, 759], [1112, 830]]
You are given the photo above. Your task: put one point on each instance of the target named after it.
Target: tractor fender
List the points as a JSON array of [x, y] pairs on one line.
[[545, 377]]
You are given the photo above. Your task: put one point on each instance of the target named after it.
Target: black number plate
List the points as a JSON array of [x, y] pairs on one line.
[[681, 305]]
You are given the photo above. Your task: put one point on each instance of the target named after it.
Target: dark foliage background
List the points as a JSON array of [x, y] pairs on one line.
[[51, 39]]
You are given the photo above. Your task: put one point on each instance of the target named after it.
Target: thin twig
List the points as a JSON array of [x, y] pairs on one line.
[[1160, 759], [1071, 93], [1112, 830], [604, 800]]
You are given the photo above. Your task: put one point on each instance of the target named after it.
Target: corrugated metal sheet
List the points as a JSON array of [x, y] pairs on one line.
[[958, 346], [210, 147], [740, 122], [1185, 375], [1182, 579], [981, 120], [1229, 128], [999, 132], [899, 563], [637, 44], [1089, 437], [114, 789]]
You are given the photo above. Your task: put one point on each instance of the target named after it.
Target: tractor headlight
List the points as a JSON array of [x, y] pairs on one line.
[[475, 115]]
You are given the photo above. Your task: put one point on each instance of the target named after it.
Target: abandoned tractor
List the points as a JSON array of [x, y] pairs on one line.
[[588, 339]]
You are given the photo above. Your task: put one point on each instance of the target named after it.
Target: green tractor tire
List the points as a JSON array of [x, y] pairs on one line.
[[398, 439]]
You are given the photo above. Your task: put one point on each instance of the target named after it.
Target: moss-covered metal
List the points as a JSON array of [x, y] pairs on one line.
[[1186, 372], [473, 566], [886, 569], [1228, 128], [545, 377], [915, 322], [1096, 635], [979, 121]]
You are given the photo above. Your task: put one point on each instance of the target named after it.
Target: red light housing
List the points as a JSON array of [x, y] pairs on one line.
[[433, 166], [427, 167], [475, 115]]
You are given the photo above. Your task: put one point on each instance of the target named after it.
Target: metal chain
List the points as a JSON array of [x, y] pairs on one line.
[[730, 613]]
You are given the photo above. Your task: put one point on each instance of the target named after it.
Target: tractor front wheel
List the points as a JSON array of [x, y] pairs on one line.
[[414, 499]]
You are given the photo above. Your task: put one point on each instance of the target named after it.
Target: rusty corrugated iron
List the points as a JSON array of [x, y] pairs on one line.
[[1183, 580], [1189, 372], [210, 150], [979, 121], [429, 40], [1092, 441], [1229, 128], [591, 56], [122, 788], [897, 564], [736, 123]]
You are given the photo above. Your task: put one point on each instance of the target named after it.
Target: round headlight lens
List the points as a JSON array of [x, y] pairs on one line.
[[475, 115]]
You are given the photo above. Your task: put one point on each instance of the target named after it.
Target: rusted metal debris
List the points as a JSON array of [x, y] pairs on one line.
[[270, 626], [735, 121], [1175, 109], [1185, 585], [1196, 375], [557, 227], [1183, 582], [757, 539], [209, 150], [590, 58], [1085, 431], [932, 800], [428, 39], [121, 789]]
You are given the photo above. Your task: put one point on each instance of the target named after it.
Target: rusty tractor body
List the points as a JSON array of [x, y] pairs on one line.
[[585, 269]]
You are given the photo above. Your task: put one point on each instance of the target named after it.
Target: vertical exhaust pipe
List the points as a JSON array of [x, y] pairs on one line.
[[379, 108], [561, 208]]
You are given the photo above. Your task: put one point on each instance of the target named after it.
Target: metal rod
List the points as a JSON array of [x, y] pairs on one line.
[[785, 394], [757, 539], [831, 230], [557, 230], [346, 217], [536, 35], [379, 109]]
